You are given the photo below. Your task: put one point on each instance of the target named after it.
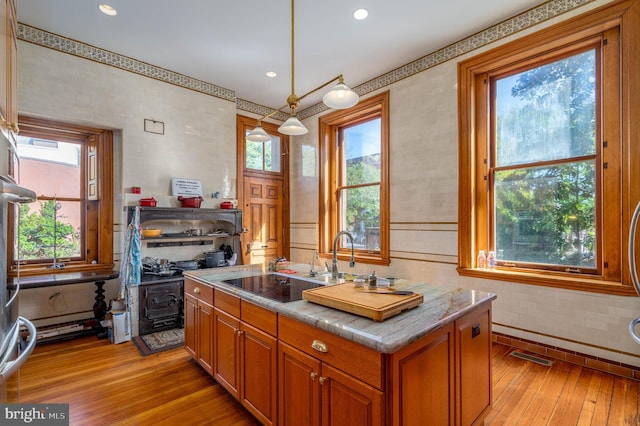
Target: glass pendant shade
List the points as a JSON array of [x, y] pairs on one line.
[[258, 134], [340, 97], [292, 127]]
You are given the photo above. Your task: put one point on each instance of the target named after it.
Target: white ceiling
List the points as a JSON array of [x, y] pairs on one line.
[[233, 43]]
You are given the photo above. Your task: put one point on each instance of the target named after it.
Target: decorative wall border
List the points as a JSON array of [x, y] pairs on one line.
[[508, 27], [524, 20], [92, 53]]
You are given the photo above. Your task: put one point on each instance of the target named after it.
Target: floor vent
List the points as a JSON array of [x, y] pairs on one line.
[[532, 358]]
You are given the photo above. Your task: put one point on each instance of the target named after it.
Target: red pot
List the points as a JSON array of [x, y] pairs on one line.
[[147, 202], [226, 205], [190, 201]]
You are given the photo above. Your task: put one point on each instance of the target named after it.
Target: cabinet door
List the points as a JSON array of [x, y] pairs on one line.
[[190, 325], [205, 336], [422, 376], [259, 379], [348, 401], [474, 369], [299, 388], [226, 368]]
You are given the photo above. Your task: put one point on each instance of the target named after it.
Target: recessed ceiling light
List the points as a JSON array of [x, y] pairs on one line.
[[360, 14], [107, 10], [271, 74]]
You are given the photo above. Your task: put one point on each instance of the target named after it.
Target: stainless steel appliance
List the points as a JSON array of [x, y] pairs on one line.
[[632, 267], [13, 350]]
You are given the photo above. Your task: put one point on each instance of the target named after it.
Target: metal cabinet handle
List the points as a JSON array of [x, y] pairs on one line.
[[196, 290], [239, 332], [322, 380], [319, 346], [313, 375]]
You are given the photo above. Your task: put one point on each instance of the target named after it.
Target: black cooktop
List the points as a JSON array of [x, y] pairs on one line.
[[274, 287]]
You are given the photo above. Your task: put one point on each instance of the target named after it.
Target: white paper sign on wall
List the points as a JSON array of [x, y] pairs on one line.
[[186, 187]]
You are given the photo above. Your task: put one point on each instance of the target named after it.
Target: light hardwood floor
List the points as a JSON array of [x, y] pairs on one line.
[[108, 384]]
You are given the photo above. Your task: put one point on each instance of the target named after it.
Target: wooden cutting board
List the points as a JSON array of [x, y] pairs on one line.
[[360, 300]]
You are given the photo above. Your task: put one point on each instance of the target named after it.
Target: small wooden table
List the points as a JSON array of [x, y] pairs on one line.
[[99, 277]]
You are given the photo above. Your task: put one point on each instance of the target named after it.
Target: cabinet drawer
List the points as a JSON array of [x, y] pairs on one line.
[[227, 303], [200, 291], [354, 359], [261, 318]]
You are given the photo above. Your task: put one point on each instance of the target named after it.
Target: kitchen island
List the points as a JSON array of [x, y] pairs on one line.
[[302, 363]]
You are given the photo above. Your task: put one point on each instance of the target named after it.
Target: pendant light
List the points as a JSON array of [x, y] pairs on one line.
[[340, 97]]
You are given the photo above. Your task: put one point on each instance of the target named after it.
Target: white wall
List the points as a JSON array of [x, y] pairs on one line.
[[424, 193], [198, 143]]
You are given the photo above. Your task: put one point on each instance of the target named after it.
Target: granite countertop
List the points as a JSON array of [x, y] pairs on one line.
[[441, 306]]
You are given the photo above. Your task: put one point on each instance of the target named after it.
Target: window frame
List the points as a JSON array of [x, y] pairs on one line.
[[96, 202], [618, 24], [329, 156]]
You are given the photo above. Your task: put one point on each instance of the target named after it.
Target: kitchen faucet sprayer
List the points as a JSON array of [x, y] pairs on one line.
[[352, 261]]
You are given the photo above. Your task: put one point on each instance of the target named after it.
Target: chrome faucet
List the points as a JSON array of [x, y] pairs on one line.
[[334, 266], [273, 265]]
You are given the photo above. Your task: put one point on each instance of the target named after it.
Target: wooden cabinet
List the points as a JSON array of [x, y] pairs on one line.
[[288, 372], [313, 386], [245, 354], [226, 368], [473, 366], [9, 87], [422, 380], [198, 322]]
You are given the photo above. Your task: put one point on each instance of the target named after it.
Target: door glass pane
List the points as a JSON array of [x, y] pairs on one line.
[[255, 155], [548, 112], [264, 156], [546, 215], [361, 216]]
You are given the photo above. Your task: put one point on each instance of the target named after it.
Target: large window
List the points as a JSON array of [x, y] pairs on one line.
[[543, 176], [542, 155], [355, 181], [69, 227]]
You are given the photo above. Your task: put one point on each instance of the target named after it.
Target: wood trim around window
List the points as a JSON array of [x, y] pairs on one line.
[[98, 217], [328, 220], [625, 128]]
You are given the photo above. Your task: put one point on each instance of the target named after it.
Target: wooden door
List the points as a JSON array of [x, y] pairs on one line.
[[416, 401], [263, 185], [226, 369], [473, 337], [348, 401], [190, 325], [205, 336], [263, 219], [259, 378], [299, 387]]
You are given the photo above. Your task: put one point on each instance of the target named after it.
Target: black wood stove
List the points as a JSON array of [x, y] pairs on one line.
[[160, 301]]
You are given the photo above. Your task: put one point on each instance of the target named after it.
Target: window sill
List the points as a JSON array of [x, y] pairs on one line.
[[27, 271], [360, 258], [549, 279]]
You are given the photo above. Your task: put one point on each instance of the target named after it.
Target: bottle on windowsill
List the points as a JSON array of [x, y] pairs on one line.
[[482, 260], [491, 260]]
